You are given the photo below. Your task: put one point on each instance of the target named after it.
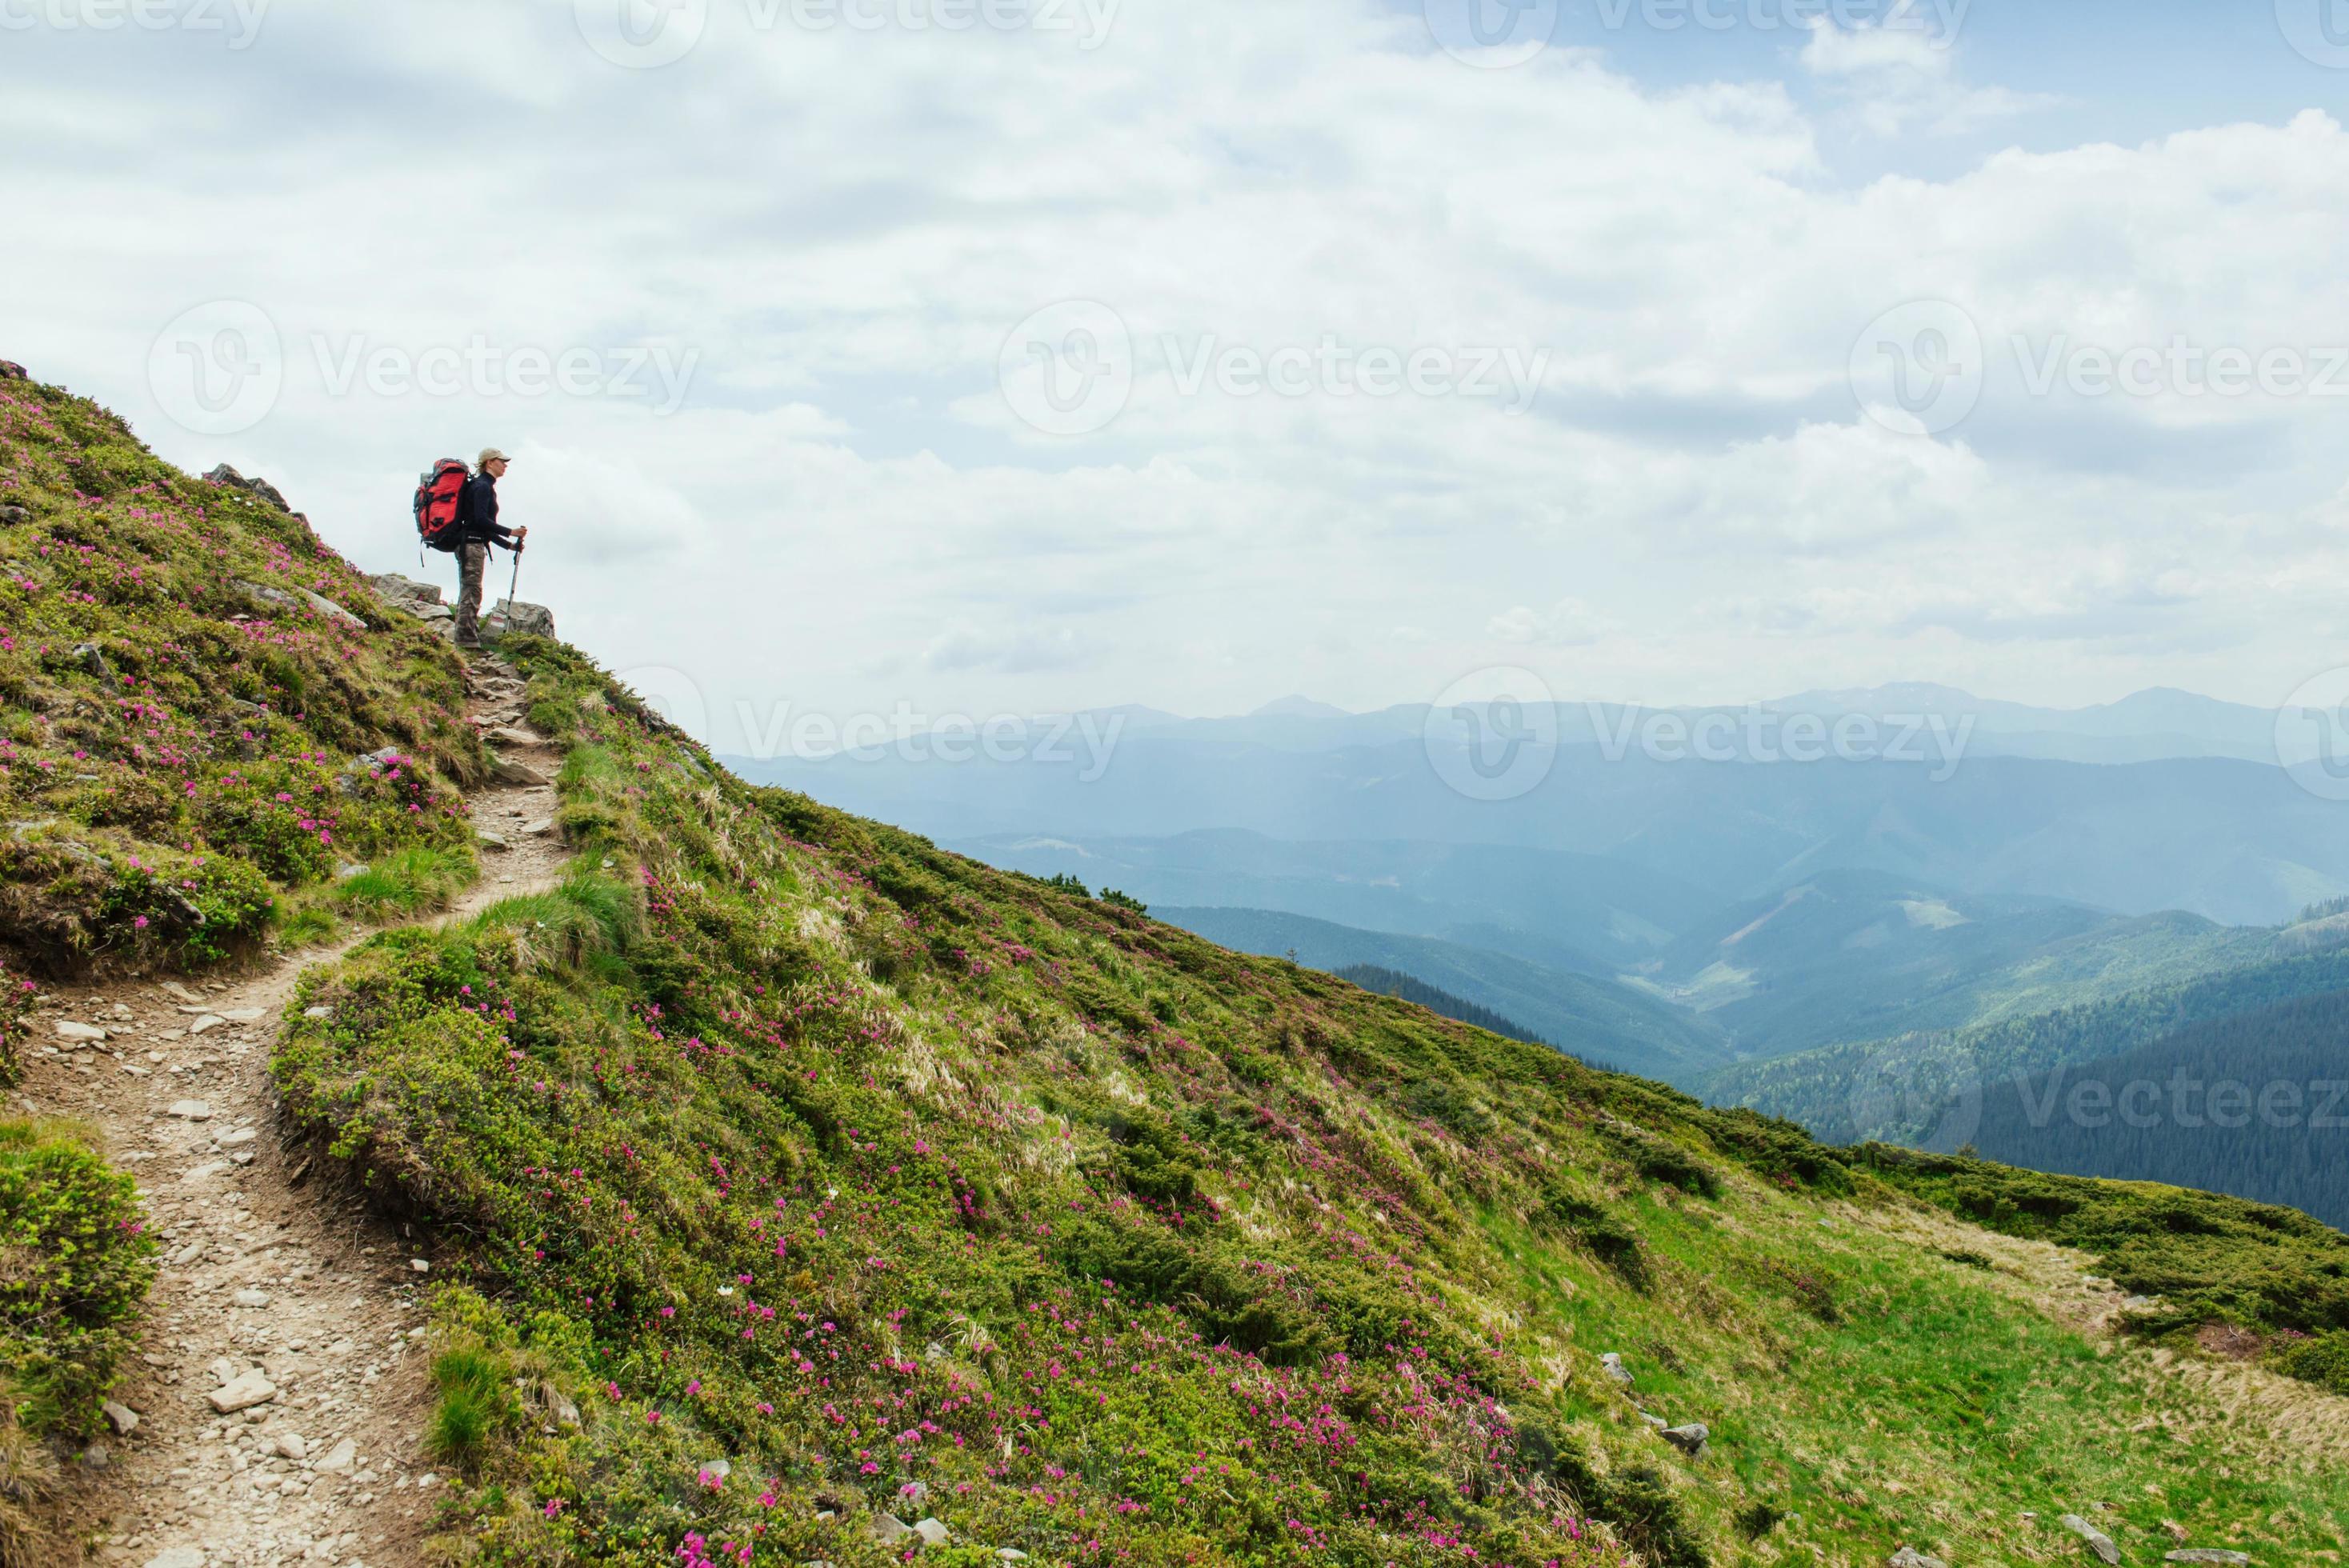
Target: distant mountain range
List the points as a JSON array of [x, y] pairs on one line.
[[1599, 1020]]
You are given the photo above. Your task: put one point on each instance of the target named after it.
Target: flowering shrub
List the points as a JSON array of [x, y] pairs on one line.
[[172, 711], [75, 1263]]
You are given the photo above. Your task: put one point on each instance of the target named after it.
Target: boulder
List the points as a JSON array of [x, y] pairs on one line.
[[509, 771], [1689, 1439], [1612, 1362], [222, 474], [404, 592], [121, 1417], [889, 1530], [243, 1393], [2098, 1541], [520, 619], [12, 371], [12, 515], [933, 1532]]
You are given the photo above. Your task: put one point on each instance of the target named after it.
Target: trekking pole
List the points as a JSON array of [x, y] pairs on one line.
[[514, 583]]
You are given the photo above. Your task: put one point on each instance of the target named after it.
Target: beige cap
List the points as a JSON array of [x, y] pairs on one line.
[[491, 455]]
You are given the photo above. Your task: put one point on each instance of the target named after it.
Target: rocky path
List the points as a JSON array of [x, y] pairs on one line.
[[274, 1416]]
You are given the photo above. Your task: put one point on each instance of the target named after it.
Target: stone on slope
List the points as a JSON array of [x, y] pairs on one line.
[[1689, 1439], [338, 1458], [2098, 1541], [933, 1532], [190, 1111], [2206, 1554], [121, 1417], [84, 1034], [249, 1388], [178, 1557], [1613, 1364]]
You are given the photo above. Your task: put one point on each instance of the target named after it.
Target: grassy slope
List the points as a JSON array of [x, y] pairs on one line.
[[176, 772], [1130, 1249], [177, 753]]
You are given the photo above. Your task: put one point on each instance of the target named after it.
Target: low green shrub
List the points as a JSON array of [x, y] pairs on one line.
[[74, 1264]]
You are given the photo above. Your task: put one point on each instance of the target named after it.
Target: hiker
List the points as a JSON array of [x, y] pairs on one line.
[[477, 529]]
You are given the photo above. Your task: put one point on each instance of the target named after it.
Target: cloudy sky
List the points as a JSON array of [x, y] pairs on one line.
[[986, 356]]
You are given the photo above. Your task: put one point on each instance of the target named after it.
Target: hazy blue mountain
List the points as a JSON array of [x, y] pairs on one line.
[[1595, 1019], [1855, 955], [2233, 841], [1577, 912]]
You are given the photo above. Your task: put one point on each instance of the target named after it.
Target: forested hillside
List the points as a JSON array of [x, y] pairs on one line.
[[2255, 1103], [1839, 1091], [1389, 982]]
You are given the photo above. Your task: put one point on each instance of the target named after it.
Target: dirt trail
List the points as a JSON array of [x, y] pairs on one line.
[[276, 1286]]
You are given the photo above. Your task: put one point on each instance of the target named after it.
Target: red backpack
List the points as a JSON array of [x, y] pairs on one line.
[[438, 495]]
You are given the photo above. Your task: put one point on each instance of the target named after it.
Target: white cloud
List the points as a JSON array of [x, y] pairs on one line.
[[846, 226]]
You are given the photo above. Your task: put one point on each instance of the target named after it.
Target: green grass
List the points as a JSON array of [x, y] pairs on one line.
[[405, 885]]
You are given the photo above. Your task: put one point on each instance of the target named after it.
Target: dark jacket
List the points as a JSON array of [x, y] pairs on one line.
[[477, 514]]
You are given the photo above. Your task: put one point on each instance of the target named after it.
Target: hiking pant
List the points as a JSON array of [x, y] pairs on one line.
[[472, 565]]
